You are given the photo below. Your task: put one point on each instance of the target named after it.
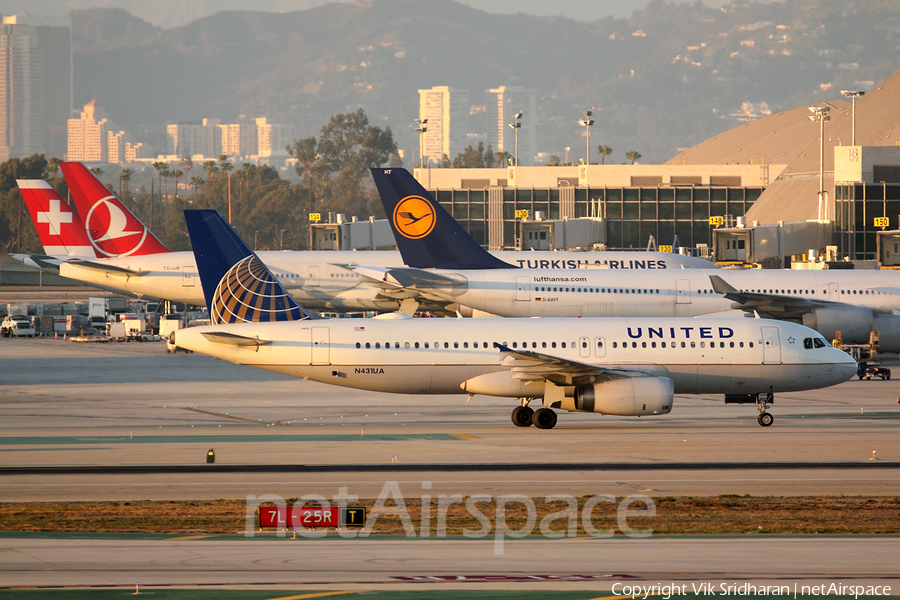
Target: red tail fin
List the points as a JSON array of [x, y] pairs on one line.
[[59, 227], [111, 228]]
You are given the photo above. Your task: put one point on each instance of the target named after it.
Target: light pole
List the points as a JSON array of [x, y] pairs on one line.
[[309, 181], [516, 124], [281, 235], [820, 114], [854, 95], [586, 122], [422, 128], [256, 240]]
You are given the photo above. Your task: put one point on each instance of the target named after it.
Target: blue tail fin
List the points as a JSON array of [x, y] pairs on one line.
[[237, 285], [427, 236]]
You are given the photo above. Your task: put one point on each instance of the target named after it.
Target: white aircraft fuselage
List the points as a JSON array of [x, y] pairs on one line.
[[861, 300], [443, 356], [318, 281]]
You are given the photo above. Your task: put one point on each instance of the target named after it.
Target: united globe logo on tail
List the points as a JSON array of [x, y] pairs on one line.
[[248, 293], [414, 217]]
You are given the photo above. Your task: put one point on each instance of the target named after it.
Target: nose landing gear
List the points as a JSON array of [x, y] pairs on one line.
[[763, 401]]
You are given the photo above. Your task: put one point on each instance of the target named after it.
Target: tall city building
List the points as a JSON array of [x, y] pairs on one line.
[[35, 85], [273, 138], [191, 139], [117, 142], [87, 135], [447, 111], [503, 104]]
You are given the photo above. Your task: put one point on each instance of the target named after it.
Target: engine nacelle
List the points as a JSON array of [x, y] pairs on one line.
[[502, 383], [631, 396], [854, 322], [888, 328]]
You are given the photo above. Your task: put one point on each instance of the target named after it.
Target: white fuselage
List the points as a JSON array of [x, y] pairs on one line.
[[438, 356], [318, 281], [683, 293]]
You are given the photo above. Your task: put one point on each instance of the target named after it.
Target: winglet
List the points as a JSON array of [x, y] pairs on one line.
[[721, 286], [237, 286], [427, 236]]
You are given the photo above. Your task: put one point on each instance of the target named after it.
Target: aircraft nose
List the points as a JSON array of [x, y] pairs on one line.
[[846, 366]]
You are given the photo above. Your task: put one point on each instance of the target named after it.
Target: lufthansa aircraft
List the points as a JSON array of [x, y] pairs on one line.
[[126, 256], [612, 366], [852, 302]]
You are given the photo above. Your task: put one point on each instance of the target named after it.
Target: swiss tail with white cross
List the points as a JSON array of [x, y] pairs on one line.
[[59, 228]]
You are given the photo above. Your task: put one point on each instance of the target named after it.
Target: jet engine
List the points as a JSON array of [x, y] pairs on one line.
[[631, 396], [888, 328], [854, 322]]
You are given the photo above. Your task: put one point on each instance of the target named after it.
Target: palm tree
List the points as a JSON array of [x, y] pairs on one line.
[[176, 175], [124, 178], [166, 173], [226, 168], [53, 165], [604, 152], [96, 171], [211, 168], [187, 163], [160, 167], [196, 182], [633, 155]]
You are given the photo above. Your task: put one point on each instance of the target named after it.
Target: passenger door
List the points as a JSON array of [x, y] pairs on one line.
[[682, 291], [320, 346], [771, 346], [523, 289]]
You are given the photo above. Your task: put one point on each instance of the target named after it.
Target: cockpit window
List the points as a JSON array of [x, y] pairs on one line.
[[820, 343], [808, 343]]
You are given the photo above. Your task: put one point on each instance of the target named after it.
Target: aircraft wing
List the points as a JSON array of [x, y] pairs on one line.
[[107, 268], [426, 280], [232, 339], [888, 290], [529, 365], [772, 305]]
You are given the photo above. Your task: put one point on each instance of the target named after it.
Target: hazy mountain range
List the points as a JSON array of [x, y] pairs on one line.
[[665, 78]]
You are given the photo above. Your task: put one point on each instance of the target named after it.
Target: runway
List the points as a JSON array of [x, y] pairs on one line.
[[129, 422]]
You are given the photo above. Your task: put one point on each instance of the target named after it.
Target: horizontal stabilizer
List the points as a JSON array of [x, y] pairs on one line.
[[232, 339], [87, 264]]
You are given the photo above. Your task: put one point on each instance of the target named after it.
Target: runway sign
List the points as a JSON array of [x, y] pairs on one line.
[[312, 516]]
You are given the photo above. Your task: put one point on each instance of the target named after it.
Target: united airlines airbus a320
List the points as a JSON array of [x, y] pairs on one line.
[[609, 366]]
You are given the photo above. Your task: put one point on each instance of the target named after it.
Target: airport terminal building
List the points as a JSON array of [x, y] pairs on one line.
[[631, 203]]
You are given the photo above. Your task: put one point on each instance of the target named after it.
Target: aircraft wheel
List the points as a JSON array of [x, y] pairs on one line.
[[521, 416], [544, 418], [765, 419]]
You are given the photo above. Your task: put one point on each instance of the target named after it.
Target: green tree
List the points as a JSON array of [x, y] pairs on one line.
[[502, 158], [96, 171], [226, 168], [604, 152], [339, 161], [445, 162], [195, 183], [124, 178], [554, 161], [17, 232], [160, 166], [176, 175], [633, 155], [53, 166], [211, 169]]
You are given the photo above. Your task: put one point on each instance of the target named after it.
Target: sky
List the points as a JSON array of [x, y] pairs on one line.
[[174, 13]]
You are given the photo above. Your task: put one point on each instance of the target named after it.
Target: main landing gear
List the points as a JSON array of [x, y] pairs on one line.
[[762, 403], [524, 416]]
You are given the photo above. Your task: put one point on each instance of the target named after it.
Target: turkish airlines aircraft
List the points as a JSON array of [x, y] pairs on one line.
[[609, 366], [852, 302], [127, 257]]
